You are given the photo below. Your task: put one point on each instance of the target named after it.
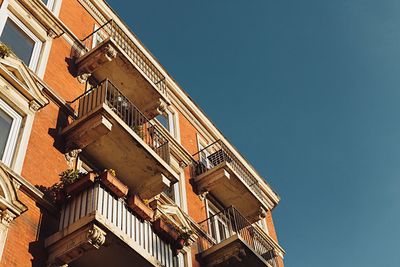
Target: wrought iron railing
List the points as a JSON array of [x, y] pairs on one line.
[[111, 30], [107, 93], [218, 153], [229, 222]]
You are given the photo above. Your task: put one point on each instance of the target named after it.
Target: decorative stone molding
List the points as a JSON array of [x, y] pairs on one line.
[[16, 76], [71, 156], [92, 59], [162, 106], [173, 215], [51, 33], [65, 247], [262, 213], [34, 106], [96, 237], [83, 77], [39, 10], [6, 217], [110, 52]]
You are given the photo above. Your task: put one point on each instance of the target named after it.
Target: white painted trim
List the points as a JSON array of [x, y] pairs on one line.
[[184, 201], [13, 134], [175, 122], [20, 105], [56, 8], [33, 63]]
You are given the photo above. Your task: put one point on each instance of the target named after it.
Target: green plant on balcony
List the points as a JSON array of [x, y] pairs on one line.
[[69, 176], [5, 51], [183, 239], [138, 129]]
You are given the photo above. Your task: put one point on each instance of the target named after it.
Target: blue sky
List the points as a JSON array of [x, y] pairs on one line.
[[309, 92]]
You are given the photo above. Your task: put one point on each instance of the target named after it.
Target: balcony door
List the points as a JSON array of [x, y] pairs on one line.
[[219, 226]]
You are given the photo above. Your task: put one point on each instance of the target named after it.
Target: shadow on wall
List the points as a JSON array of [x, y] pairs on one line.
[[47, 226]]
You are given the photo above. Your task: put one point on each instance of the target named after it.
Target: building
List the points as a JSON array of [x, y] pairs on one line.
[[158, 184]]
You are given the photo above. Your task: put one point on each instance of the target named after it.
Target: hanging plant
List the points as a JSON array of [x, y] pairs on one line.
[[5, 51]]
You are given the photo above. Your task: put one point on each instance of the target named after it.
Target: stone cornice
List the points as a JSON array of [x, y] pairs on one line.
[[29, 189], [38, 9], [20, 77]]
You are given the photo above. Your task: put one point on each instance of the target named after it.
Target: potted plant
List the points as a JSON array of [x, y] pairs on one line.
[[165, 230], [183, 239], [140, 207], [109, 179], [5, 51], [54, 193], [75, 181]]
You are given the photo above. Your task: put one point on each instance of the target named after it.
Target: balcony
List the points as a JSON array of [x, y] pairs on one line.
[[111, 53], [113, 133], [229, 239], [219, 172], [98, 229]]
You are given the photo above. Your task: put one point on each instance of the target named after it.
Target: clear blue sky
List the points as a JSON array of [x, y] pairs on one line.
[[309, 92]]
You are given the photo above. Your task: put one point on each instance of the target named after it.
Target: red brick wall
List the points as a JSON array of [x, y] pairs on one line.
[[196, 207], [22, 248], [271, 227], [44, 158], [272, 233], [77, 19]]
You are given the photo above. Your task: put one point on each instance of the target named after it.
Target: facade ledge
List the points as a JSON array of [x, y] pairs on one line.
[[38, 9], [19, 76]]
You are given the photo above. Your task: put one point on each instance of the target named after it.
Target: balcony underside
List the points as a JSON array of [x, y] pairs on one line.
[[108, 61], [232, 252], [111, 144], [92, 241], [223, 182]]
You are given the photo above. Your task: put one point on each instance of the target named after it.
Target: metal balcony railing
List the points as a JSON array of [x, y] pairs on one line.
[[217, 153], [111, 30], [229, 222], [107, 93]]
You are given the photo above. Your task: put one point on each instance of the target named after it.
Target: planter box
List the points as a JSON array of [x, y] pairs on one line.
[[114, 184], [80, 184], [165, 231], [141, 209]]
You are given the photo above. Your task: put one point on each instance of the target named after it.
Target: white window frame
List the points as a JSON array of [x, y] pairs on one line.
[[171, 122], [13, 135], [50, 4], [203, 155], [216, 219], [33, 63]]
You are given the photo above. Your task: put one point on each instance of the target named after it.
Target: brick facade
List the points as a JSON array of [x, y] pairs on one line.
[[45, 159]]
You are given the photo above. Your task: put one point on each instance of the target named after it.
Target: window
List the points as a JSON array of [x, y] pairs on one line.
[[263, 225], [10, 124], [49, 3], [21, 41], [99, 34], [218, 226], [166, 120]]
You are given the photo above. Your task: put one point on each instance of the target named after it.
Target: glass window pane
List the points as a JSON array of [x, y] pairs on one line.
[[19, 42], [163, 119], [5, 127]]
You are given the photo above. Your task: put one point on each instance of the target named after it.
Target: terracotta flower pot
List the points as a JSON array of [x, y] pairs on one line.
[[165, 231], [59, 197], [140, 208], [80, 184], [114, 184], [180, 243]]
